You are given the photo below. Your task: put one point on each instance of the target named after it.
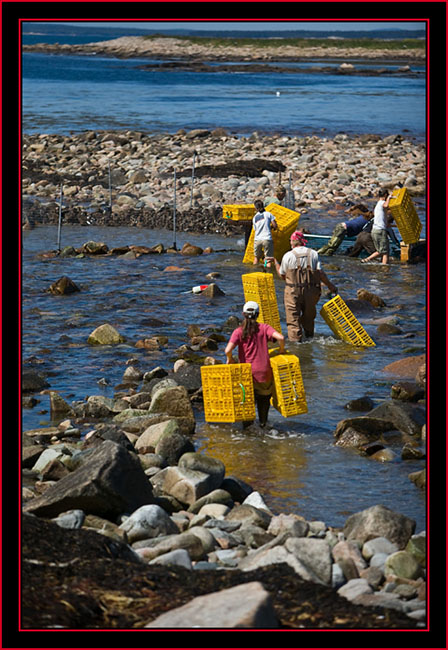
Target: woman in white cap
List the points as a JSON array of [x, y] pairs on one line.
[[252, 341]]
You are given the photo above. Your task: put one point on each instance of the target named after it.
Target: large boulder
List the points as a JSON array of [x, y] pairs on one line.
[[110, 483], [105, 335], [406, 367], [406, 417], [379, 521], [172, 400]]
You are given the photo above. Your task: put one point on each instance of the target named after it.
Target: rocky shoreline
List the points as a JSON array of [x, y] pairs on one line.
[[189, 49], [126, 525], [327, 175]]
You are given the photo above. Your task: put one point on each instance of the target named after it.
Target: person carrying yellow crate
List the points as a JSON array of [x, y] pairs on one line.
[[301, 270], [252, 342], [382, 228], [263, 222]]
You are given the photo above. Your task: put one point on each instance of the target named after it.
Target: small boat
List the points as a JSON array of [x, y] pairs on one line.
[[317, 241]]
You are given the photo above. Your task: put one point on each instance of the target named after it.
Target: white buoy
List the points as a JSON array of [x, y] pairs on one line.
[[278, 93]]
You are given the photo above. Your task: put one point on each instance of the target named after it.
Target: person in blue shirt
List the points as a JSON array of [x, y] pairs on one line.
[[350, 228], [263, 224]]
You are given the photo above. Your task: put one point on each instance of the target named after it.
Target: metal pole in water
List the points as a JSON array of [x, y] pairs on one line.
[[60, 220], [174, 213], [192, 181], [110, 189]]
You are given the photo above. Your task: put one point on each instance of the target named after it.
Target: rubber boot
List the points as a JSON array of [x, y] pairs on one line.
[[263, 403]]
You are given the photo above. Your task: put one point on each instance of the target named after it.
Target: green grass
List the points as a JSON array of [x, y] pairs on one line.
[[343, 43]]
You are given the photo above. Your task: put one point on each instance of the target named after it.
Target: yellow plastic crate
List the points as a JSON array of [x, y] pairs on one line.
[[228, 392], [289, 393], [287, 221], [260, 287], [344, 325], [405, 215], [242, 212]]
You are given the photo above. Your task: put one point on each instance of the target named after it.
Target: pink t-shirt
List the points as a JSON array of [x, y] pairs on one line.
[[254, 350]]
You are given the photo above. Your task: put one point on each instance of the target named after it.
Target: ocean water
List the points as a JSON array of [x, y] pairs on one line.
[[62, 94]]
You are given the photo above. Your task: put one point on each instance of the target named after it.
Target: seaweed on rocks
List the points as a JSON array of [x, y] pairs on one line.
[[79, 579]]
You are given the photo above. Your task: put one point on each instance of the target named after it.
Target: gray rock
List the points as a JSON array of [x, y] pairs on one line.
[[246, 606], [249, 515], [196, 462], [110, 482], [73, 519], [205, 536], [148, 521], [407, 418], [186, 486], [349, 550], [217, 496], [187, 541], [380, 599], [378, 545], [105, 335], [379, 521], [314, 554], [178, 557], [337, 576], [172, 401], [33, 381], [378, 561], [99, 406], [255, 499], [294, 525], [354, 588]]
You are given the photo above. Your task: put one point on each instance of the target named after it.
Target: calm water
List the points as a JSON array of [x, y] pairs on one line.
[[74, 93], [295, 465]]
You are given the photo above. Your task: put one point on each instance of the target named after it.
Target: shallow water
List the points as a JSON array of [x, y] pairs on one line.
[[294, 464]]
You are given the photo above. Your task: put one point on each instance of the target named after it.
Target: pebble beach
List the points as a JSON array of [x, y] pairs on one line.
[[322, 172]]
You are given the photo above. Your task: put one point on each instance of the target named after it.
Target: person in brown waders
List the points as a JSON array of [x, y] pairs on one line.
[[301, 270]]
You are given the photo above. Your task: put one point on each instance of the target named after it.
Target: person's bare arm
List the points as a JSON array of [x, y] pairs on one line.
[[281, 341], [277, 267], [326, 280], [228, 351]]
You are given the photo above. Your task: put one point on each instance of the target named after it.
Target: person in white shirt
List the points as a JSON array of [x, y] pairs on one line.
[[301, 270], [263, 222], [381, 228]]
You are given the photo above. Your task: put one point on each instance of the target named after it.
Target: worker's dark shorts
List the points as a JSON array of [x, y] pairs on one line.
[[381, 241]]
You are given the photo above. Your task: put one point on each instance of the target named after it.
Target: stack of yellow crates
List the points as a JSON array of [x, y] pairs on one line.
[[239, 212], [228, 392], [289, 393], [260, 287], [343, 323], [287, 221], [405, 215]]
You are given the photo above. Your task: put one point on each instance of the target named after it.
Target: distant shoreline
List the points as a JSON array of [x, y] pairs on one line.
[[210, 50]]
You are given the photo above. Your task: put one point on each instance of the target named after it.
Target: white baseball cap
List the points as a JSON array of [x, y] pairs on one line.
[[251, 309]]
